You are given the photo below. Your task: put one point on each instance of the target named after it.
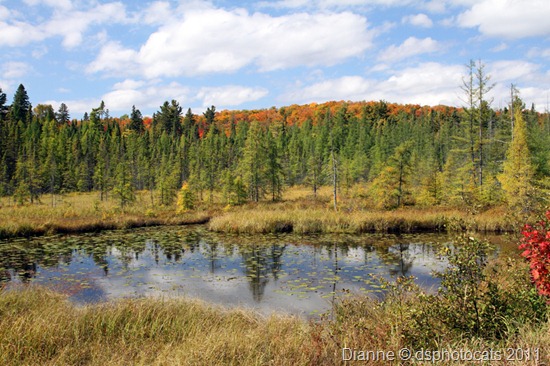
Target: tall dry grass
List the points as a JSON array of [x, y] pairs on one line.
[[39, 327], [84, 212], [303, 218]]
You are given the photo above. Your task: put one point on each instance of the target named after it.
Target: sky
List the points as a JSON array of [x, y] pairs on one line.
[[259, 54]]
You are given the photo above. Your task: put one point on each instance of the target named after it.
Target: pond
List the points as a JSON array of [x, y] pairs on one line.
[[300, 275]]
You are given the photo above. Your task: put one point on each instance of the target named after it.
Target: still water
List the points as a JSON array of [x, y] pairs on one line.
[[293, 274]]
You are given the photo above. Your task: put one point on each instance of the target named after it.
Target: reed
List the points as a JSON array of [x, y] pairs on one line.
[[84, 212], [38, 326], [284, 217]]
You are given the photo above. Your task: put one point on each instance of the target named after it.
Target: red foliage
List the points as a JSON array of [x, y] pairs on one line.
[[536, 249]]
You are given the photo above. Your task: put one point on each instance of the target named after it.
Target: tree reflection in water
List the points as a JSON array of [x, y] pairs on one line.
[[258, 266], [197, 262]]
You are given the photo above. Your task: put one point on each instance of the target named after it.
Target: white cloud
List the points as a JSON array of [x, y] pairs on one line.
[[66, 22], [412, 46], [501, 47], [59, 4], [539, 52], [231, 95], [19, 34], [508, 18], [157, 12], [207, 40], [515, 71], [15, 69], [344, 88], [331, 4], [152, 94], [419, 20], [428, 83], [4, 13], [116, 60]]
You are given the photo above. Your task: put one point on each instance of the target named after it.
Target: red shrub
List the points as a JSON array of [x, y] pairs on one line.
[[536, 249]]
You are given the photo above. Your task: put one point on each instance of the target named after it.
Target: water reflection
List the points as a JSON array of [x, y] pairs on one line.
[[287, 273]]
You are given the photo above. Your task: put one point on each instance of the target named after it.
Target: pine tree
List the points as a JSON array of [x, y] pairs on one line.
[[253, 163], [123, 190], [21, 107], [62, 115], [274, 173], [136, 120], [390, 188]]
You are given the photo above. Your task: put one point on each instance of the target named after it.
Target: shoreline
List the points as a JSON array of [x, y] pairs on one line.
[[261, 221]]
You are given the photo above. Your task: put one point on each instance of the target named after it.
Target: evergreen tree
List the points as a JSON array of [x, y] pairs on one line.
[[390, 188], [136, 120], [253, 163], [274, 173], [62, 115], [20, 109]]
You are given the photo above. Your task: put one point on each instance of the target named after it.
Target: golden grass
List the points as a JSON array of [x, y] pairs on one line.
[[84, 212], [39, 327], [42, 328], [307, 218], [299, 211]]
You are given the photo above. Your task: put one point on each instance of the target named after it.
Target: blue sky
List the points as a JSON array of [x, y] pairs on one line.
[[258, 54]]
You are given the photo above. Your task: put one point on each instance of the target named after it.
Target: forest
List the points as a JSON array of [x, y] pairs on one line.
[[314, 174], [474, 156]]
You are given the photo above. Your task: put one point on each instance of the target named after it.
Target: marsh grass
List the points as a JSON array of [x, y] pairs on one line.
[[302, 218], [42, 328], [299, 211], [84, 212]]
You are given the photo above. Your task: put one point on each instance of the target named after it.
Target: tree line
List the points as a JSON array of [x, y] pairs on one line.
[[474, 156]]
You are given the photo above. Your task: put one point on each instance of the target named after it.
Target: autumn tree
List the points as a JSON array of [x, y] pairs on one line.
[[517, 176]]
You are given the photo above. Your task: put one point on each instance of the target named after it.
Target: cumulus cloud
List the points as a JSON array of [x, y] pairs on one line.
[[59, 4], [331, 4], [431, 83], [66, 22], [514, 71], [508, 18], [15, 69], [209, 40], [412, 46], [344, 88], [11, 72], [230, 95], [150, 95], [428, 83], [419, 20]]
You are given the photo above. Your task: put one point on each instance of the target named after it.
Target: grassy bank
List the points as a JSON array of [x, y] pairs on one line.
[[295, 217], [298, 212], [84, 212], [38, 326]]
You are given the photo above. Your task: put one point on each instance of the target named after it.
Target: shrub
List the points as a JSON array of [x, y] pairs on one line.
[[536, 249]]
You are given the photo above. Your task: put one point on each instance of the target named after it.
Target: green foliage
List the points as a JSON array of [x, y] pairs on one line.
[[390, 188], [402, 154], [478, 298], [233, 189], [123, 189]]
